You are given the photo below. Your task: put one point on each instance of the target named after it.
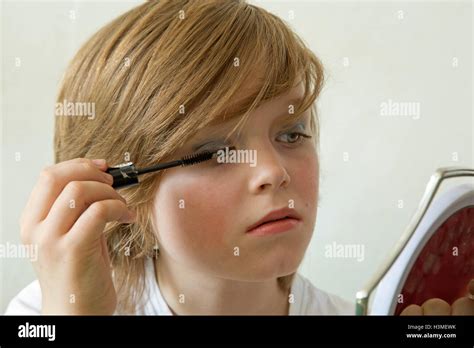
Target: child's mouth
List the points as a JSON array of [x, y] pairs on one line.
[[275, 226], [276, 221]]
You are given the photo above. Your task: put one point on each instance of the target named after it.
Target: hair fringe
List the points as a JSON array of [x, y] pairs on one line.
[[171, 63]]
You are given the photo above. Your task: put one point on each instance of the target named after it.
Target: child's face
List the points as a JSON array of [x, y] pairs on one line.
[[202, 212]]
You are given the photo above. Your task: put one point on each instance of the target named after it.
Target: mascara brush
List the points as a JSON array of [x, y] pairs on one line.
[[126, 174]]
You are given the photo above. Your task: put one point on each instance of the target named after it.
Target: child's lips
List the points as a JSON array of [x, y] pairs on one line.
[[274, 227], [279, 214]]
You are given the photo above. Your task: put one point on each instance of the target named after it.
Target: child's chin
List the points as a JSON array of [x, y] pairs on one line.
[[262, 275]]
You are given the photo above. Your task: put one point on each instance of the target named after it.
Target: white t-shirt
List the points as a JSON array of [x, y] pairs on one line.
[[308, 300]]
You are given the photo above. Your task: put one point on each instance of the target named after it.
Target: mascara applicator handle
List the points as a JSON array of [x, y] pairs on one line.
[[124, 175]]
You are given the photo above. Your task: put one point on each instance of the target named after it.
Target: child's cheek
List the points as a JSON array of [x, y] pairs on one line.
[[209, 214], [197, 213], [306, 182]]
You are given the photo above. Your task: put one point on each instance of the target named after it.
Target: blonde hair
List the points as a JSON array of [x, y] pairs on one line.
[[145, 65]]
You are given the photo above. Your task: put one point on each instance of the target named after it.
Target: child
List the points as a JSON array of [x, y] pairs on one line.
[[168, 79]]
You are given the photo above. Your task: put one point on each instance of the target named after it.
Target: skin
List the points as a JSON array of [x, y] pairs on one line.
[[197, 242], [73, 266]]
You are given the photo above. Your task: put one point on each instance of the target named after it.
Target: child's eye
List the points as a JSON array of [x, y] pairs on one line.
[[297, 136], [216, 161]]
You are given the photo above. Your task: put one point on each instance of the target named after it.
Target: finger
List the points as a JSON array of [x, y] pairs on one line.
[[436, 306], [470, 288], [51, 182], [463, 306], [412, 309], [90, 225], [74, 200], [105, 251]]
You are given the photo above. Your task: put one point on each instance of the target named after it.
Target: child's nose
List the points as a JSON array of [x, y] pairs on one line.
[[269, 172]]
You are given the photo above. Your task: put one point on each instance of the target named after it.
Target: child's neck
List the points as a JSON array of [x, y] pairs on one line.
[[197, 294]]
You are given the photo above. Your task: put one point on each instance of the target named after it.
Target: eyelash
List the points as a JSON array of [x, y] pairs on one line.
[[301, 138]]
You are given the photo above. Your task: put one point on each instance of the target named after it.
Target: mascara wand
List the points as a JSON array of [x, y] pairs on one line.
[[126, 174]]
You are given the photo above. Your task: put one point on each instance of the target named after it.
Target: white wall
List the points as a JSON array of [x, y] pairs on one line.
[[368, 161]]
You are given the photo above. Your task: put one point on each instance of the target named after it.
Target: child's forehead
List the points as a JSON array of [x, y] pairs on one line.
[[276, 108], [279, 114], [279, 104]]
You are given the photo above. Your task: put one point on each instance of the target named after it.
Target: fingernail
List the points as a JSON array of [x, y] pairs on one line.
[[109, 178], [98, 162]]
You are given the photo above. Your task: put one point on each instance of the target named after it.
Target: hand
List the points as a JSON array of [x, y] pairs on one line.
[[436, 306], [65, 216]]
